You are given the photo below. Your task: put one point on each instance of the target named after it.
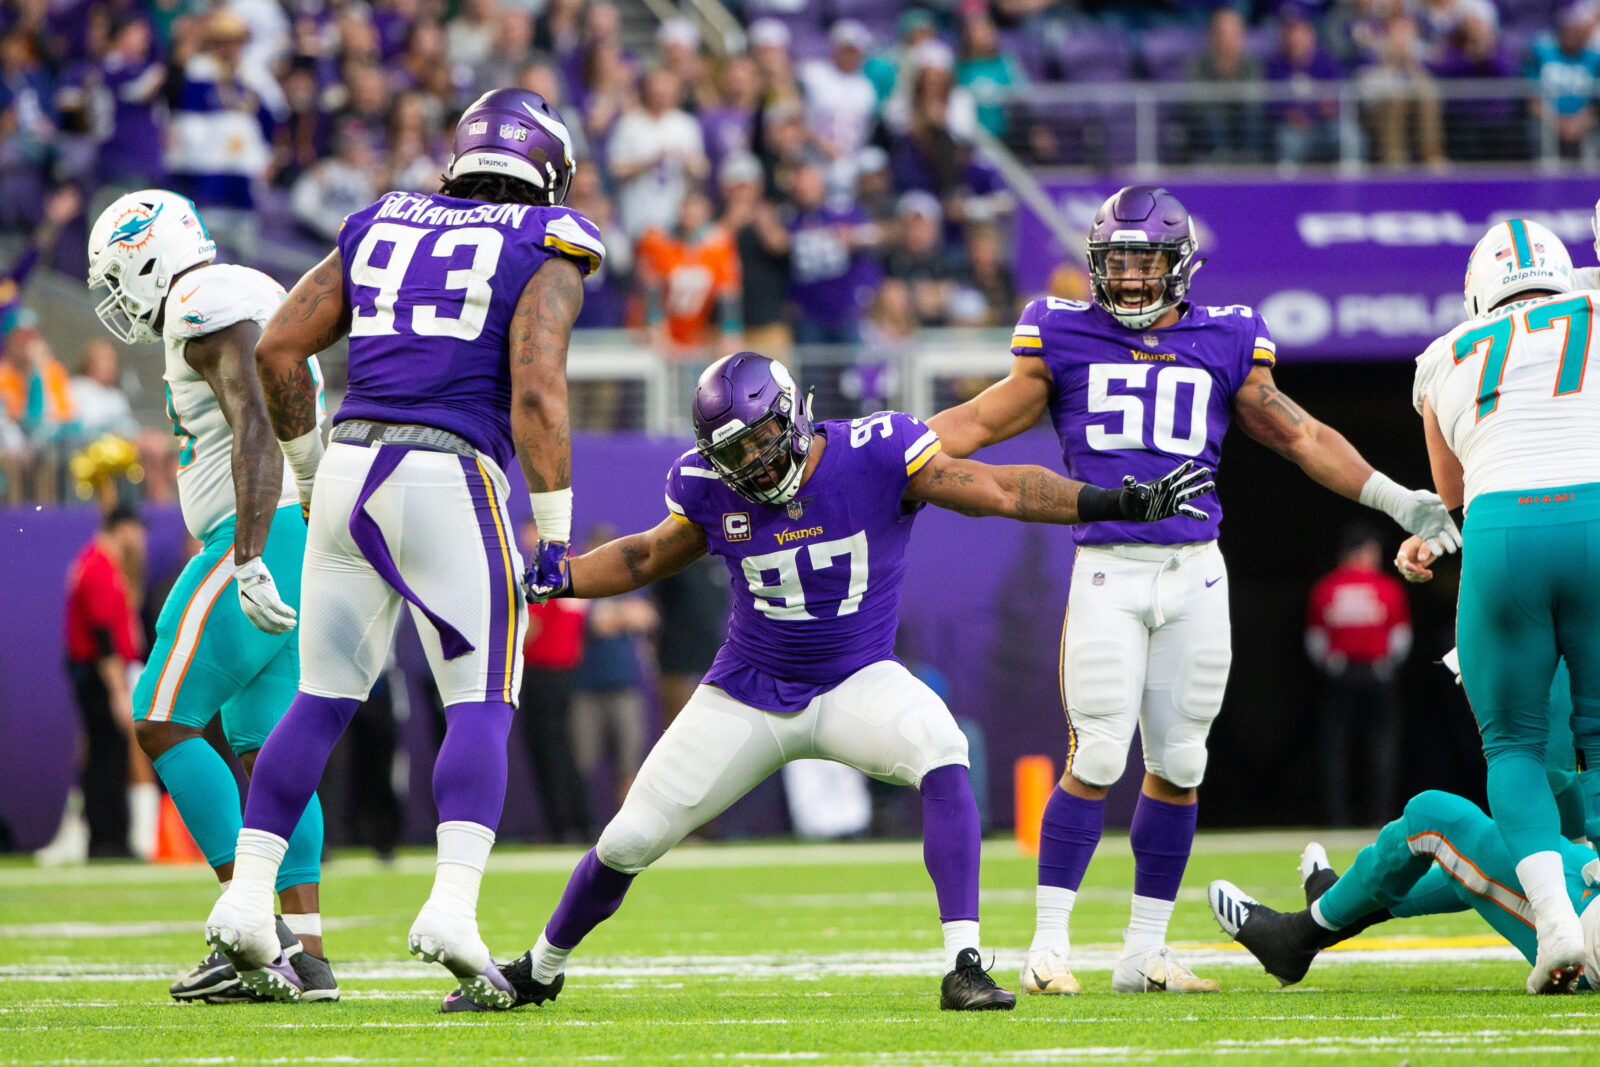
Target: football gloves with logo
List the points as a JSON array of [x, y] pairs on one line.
[[547, 577], [1167, 495], [259, 599]]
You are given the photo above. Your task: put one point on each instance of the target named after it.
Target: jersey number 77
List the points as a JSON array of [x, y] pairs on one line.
[[1494, 340]]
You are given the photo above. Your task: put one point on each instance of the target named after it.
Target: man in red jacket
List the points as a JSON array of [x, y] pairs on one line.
[[1358, 631], [102, 639]]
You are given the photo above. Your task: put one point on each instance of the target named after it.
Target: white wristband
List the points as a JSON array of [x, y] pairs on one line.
[[552, 513], [303, 454], [1384, 494]]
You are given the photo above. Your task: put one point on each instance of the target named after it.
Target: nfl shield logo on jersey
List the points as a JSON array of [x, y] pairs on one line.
[[1150, 340], [1099, 578], [795, 509]]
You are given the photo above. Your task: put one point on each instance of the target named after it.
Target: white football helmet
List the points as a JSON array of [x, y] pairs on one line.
[[137, 246], [1513, 257]]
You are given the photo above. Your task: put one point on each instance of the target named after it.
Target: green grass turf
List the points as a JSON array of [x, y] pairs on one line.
[[750, 955]]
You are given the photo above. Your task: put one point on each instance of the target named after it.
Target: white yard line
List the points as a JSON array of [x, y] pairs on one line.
[[693, 856], [813, 966]]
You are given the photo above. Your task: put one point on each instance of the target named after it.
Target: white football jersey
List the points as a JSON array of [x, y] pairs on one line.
[[202, 302], [1509, 392]]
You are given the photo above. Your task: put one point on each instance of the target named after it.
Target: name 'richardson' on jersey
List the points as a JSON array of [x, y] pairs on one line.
[[424, 209]]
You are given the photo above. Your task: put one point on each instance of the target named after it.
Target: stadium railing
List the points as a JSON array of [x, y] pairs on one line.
[[1161, 125]]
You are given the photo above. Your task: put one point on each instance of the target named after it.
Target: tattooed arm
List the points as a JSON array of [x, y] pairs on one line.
[[1005, 409], [223, 360], [1031, 494], [631, 562], [540, 330], [313, 317], [1271, 418]]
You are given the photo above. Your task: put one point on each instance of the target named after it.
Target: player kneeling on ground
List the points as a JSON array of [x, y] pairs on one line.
[[813, 523]]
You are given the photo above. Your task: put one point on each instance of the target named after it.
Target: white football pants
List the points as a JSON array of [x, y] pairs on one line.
[[1146, 642], [444, 519], [881, 720]]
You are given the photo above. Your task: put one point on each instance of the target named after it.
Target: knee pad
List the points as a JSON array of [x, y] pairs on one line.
[[1098, 763], [1183, 763], [635, 839]]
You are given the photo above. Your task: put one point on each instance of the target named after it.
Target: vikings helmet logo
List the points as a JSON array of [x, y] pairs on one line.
[[133, 229]]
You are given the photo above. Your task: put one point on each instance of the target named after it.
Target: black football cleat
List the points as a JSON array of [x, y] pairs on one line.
[[1283, 944], [969, 987], [212, 977], [316, 977], [519, 975]]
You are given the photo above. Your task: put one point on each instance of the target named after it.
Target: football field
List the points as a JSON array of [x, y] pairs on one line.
[[761, 954]]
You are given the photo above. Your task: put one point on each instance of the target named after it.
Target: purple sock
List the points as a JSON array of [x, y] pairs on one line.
[[291, 763], [593, 894], [951, 841], [1068, 836], [469, 777], [1162, 835]]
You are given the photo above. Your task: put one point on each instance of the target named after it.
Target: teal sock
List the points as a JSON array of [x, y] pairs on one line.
[[1523, 809], [206, 794], [302, 863]]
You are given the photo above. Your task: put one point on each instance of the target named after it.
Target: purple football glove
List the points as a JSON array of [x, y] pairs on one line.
[[547, 577]]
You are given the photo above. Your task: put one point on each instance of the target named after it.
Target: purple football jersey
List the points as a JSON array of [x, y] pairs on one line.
[[828, 281], [432, 283], [1142, 401], [816, 582]]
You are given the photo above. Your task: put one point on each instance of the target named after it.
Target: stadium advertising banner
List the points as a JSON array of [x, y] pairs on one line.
[[1341, 269]]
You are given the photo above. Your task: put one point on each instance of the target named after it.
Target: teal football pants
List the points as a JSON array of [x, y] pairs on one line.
[[1444, 846], [1530, 564]]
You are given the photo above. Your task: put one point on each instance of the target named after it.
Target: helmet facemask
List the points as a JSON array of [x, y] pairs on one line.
[[1158, 271], [762, 462], [127, 318]]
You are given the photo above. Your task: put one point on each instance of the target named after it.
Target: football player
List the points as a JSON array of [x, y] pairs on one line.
[[1136, 380], [459, 306], [151, 253], [1511, 436], [812, 522], [1442, 855]]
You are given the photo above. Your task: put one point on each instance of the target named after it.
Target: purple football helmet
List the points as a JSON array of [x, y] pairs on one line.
[[751, 426], [1141, 219], [515, 133]]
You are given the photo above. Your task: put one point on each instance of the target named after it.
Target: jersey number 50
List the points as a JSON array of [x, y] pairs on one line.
[[404, 242], [1128, 433]]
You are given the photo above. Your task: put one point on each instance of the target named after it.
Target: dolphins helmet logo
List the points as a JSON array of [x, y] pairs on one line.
[[133, 229]]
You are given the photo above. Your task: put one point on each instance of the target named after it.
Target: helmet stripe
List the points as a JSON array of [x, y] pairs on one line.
[[1519, 241]]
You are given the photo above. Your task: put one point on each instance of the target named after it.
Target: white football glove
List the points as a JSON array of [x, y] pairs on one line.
[[259, 599], [1417, 511]]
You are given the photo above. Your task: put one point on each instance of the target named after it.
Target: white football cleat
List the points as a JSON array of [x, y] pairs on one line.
[[454, 943], [1560, 961], [248, 939], [1157, 971], [1047, 972], [1313, 858]]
